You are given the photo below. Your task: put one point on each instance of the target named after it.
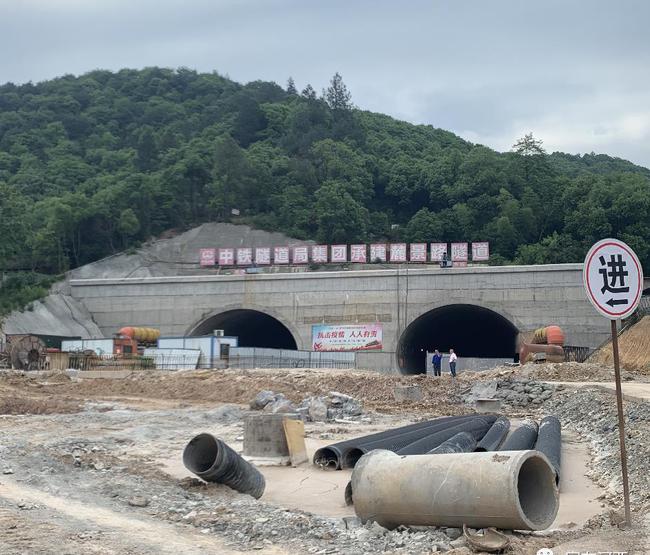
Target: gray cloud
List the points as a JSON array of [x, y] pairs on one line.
[[574, 73]]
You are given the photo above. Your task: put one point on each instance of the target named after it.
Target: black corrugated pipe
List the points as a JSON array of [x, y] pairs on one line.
[[522, 438], [477, 426], [462, 442], [549, 442], [495, 435], [399, 441], [332, 456], [213, 461]]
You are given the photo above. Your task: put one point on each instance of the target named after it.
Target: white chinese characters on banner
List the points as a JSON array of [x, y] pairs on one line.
[[339, 253], [281, 255], [358, 253], [398, 252], [481, 251], [262, 256], [438, 250], [378, 252], [300, 255], [244, 256], [207, 257], [418, 252], [226, 257], [459, 252], [319, 254]]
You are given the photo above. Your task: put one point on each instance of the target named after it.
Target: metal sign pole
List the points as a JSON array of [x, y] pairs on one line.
[[621, 425]]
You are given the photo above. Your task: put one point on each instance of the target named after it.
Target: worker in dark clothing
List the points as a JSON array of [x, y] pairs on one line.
[[436, 360]]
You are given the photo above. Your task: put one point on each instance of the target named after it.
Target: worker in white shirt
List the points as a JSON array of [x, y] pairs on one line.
[[452, 362]]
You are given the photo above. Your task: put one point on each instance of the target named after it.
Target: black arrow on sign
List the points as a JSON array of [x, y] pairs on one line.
[[614, 302]]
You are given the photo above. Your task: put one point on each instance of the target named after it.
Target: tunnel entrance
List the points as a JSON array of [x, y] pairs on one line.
[[472, 331], [252, 327]]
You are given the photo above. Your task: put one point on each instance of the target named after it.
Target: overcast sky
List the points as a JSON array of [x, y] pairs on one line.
[[575, 73]]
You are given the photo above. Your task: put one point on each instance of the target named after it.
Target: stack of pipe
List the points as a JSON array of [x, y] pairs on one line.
[[418, 438], [451, 434]]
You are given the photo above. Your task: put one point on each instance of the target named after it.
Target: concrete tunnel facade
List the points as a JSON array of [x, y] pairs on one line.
[[479, 309]]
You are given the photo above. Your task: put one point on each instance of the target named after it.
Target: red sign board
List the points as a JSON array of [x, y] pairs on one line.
[[207, 257], [378, 252], [358, 253], [398, 252], [319, 254], [262, 256], [300, 255], [418, 252], [459, 252], [226, 257], [281, 255]]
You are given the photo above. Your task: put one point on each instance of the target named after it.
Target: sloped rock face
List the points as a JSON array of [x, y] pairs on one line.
[[56, 314], [60, 314]]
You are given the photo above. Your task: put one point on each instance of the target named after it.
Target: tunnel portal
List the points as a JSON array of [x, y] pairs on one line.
[[472, 331], [252, 327]]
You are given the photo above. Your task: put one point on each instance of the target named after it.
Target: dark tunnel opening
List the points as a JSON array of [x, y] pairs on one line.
[[253, 328], [472, 331]]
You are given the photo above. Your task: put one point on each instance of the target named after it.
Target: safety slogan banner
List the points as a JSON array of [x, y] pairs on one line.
[[349, 337]]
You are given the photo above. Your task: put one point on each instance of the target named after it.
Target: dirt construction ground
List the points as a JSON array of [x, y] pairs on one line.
[[94, 465]]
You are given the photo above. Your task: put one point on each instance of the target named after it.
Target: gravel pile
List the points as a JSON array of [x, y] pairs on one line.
[[521, 392], [249, 524], [513, 391], [592, 414], [322, 408], [572, 372]]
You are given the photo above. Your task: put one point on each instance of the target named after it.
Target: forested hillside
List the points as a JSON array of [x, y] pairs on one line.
[[95, 164]]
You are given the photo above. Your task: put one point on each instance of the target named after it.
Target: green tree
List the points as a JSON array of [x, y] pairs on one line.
[[339, 217], [337, 95], [128, 225], [291, 87]]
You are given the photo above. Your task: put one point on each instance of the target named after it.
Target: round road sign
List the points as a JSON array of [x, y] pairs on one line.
[[613, 278]]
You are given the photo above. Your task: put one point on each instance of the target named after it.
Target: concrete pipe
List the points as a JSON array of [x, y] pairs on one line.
[[462, 442], [495, 435], [213, 461], [549, 442], [522, 438], [511, 490]]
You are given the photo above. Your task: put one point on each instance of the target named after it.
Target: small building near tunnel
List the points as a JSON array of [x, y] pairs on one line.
[[480, 312]]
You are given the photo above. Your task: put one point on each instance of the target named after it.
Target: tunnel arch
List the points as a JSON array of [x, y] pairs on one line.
[[253, 327], [471, 330]]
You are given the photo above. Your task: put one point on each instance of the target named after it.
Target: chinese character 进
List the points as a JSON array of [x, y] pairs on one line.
[[616, 271]]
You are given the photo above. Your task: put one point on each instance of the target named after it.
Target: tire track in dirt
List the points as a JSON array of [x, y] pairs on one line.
[[146, 536]]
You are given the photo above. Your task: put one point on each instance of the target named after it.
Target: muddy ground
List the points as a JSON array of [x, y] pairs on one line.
[[93, 466]]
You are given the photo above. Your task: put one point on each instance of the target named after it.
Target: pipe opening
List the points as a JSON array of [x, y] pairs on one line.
[[326, 458], [537, 492], [348, 494], [351, 458], [200, 453]]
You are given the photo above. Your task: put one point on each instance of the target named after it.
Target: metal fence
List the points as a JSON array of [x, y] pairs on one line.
[[80, 361], [254, 357], [576, 354]]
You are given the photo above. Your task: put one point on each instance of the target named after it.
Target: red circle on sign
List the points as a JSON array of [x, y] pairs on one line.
[[639, 273]]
